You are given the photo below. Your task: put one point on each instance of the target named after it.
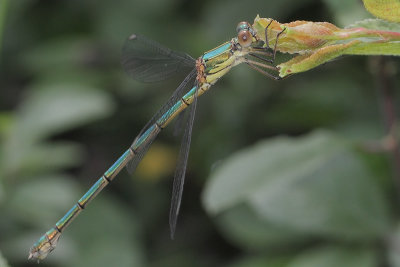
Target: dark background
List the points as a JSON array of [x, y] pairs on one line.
[[67, 111]]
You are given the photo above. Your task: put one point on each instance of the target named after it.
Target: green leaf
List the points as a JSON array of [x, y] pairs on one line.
[[334, 256], [331, 197], [36, 158], [246, 229], [54, 108], [313, 185], [385, 9], [50, 156], [49, 110]]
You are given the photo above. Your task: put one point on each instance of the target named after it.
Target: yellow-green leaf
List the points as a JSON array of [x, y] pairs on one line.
[[315, 43], [384, 9]]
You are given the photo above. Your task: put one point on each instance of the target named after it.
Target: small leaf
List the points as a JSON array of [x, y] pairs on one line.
[[318, 42], [384, 9], [51, 156], [54, 108], [36, 158]]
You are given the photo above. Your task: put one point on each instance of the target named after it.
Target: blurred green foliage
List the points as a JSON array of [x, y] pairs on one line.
[[275, 190]]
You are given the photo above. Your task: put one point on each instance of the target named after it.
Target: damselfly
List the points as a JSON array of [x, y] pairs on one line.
[[148, 61]]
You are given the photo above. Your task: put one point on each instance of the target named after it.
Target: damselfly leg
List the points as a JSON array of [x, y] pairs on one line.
[[265, 57]]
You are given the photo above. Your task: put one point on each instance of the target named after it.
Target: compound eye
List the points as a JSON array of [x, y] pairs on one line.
[[244, 38], [244, 25]]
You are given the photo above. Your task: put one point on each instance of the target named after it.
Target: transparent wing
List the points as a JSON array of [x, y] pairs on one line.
[[179, 177], [179, 92], [148, 61]]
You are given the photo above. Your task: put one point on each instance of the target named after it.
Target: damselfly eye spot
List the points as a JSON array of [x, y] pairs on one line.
[[245, 38], [244, 25]]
